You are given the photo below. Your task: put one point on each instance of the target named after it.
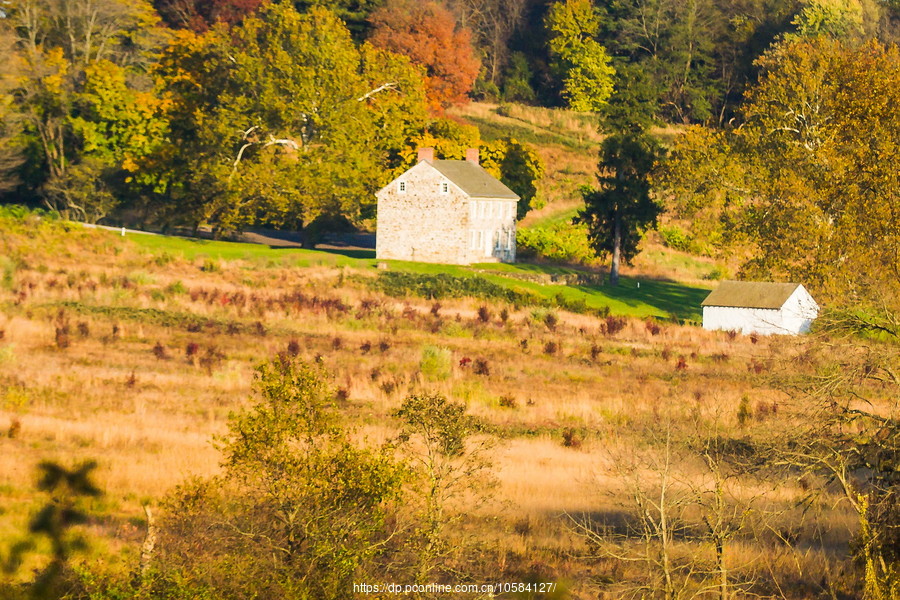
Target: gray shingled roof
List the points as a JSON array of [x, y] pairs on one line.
[[750, 294], [473, 179]]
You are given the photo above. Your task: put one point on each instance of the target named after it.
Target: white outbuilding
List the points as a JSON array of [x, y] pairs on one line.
[[760, 307]]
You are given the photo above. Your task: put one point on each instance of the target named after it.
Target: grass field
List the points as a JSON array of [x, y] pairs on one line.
[[634, 297], [133, 353]]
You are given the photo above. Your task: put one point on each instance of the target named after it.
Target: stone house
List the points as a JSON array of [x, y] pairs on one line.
[[760, 307], [446, 211]]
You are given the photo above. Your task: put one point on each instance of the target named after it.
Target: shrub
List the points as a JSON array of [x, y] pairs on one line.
[[551, 320], [435, 287], [484, 314], [551, 348], [62, 337], [508, 401], [572, 438], [561, 242], [676, 238], [614, 325], [160, 351], [481, 367], [744, 413], [436, 363]]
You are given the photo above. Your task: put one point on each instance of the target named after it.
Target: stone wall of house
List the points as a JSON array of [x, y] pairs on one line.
[[422, 224]]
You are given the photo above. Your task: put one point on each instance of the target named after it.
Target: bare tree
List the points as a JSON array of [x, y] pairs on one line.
[[849, 400], [657, 506], [494, 22]]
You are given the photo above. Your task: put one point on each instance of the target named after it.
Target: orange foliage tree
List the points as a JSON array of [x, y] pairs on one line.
[[429, 35]]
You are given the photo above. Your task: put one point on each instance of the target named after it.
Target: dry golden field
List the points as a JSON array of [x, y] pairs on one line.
[[135, 359]]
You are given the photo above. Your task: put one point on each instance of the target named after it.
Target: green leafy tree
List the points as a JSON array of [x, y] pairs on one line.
[[579, 59], [300, 511], [619, 211], [833, 18], [282, 120]]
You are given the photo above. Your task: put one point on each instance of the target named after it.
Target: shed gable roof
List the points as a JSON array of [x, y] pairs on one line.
[[473, 179], [751, 294]]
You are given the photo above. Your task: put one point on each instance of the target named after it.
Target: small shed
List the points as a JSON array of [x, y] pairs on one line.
[[760, 307]]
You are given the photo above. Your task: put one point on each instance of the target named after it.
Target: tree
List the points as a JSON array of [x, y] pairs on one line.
[[804, 179], [200, 15], [64, 48], [448, 461], [848, 434], [618, 212], [11, 139], [299, 511], [429, 35], [493, 22], [579, 59], [282, 120]]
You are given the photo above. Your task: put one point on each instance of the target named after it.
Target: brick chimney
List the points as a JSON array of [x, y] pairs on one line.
[[426, 154], [472, 155]]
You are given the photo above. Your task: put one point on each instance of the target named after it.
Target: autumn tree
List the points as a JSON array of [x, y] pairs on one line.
[[11, 139], [806, 179], [63, 49], [200, 15], [282, 120], [429, 35], [579, 59]]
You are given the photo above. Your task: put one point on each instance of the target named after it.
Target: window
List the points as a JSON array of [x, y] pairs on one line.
[[480, 239], [445, 187], [401, 187], [474, 243], [511, 239]]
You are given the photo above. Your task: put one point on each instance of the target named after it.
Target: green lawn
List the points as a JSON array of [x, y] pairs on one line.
[[633, 297]]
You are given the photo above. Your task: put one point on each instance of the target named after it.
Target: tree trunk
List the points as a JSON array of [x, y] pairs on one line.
[[617, 250]]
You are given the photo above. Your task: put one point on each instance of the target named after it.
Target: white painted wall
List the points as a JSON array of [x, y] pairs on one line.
[[795, 316]]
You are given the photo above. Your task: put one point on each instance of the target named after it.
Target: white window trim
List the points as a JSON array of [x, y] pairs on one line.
[[401, 187]]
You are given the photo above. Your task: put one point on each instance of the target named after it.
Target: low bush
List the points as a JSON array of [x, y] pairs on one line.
[[436, 363], [562, 242]]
